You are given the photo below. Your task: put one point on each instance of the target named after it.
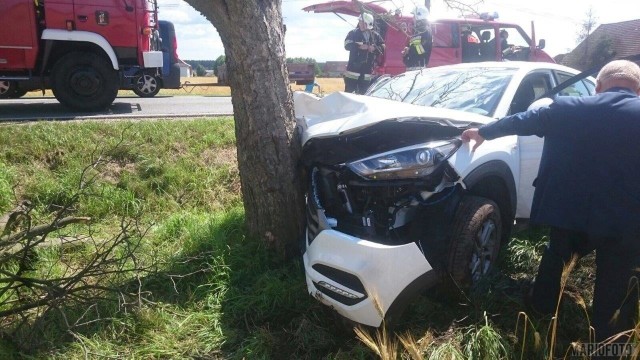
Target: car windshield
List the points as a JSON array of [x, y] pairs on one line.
[[477, 90]]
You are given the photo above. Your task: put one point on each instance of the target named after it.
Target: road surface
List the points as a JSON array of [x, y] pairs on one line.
[[48, 108]]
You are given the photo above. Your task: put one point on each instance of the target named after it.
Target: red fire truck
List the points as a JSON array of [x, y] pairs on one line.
[[84, 50], [468, 39]]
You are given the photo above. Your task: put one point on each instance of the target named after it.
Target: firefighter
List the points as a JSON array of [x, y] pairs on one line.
[[364, 45], [417, 52]]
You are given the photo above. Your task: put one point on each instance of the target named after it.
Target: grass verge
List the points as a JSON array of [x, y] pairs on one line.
[[217, 294]]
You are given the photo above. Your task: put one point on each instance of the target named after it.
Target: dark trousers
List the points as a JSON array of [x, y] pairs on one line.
[[358, 86], [617, 271]]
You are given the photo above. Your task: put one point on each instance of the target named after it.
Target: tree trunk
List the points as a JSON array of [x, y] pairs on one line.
[[267, 141]]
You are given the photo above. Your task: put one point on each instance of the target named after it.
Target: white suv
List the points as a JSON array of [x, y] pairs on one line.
[[396, 202]]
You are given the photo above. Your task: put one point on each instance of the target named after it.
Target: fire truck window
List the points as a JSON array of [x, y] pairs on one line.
[[515, 38], [442, 35]]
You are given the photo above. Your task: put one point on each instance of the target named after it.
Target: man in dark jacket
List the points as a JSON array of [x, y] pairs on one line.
[[418, 51], [587, 191], [364, 45]]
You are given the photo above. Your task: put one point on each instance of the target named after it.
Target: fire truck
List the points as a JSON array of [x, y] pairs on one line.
[[469, 39], [83, 50]]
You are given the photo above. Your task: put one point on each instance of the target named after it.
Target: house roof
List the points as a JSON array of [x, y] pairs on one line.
[[625, 37]]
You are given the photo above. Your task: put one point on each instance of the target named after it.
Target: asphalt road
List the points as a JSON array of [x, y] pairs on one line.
[[48, 108]]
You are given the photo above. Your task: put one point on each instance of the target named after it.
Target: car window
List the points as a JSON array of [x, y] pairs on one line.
[[577, 89], [476, 90], [532, 87], [590, 86]]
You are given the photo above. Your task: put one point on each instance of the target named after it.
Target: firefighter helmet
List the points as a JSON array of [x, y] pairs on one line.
[[420, 13], [367, 19]]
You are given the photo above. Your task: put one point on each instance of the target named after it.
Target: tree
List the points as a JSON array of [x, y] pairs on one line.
[[586, 28], [200, 70], [219, 61], [602, 51], [267, 139]]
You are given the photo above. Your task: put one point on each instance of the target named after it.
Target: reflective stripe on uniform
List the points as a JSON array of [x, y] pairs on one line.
[[417, 43], [356, 76], [347, 42]]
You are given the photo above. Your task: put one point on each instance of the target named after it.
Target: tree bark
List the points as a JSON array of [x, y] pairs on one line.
[[268, 143]]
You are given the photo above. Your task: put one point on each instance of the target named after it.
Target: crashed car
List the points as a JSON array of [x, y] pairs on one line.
[[396, 203]]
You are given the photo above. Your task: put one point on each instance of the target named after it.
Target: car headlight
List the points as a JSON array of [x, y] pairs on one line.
[[414, 161]]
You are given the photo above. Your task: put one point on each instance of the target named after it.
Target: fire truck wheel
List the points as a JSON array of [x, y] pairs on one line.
[[146, 86], [84, 81], [7, 89]]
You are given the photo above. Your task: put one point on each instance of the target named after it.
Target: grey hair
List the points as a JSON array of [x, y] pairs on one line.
[[620, 70]]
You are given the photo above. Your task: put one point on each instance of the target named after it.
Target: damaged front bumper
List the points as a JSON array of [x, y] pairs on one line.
[[361, 279], [366, 271]]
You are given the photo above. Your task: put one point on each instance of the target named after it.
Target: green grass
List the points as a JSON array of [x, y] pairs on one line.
[[214, 293]]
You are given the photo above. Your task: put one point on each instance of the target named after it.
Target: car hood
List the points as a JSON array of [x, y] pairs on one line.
[[341, 113], [344, 127]]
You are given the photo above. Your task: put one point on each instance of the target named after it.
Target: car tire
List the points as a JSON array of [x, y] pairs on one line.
[[7, 89], [475, 241], [146, 86], [84, 81]]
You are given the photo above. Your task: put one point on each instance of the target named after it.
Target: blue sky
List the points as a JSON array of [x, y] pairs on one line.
[[321, 36]]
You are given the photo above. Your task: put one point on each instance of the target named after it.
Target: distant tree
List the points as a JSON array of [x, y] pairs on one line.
[[219, 61], [586, 28], [602, 51], [200, 70]]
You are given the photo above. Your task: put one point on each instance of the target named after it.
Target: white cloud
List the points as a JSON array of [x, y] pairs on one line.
[[321, 36]]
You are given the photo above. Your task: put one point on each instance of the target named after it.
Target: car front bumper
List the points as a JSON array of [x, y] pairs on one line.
[[361, 279]]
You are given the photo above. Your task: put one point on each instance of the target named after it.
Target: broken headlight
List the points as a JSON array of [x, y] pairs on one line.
[[414, 161]]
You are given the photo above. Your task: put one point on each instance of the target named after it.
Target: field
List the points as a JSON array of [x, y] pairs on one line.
[[199, 288], [327, 85]]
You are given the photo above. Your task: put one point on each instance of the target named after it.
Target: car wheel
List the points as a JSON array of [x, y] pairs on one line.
[[7, 89], [84, 81], [146, 86], [475, 241]]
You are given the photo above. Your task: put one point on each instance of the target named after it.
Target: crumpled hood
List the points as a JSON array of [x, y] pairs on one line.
[[340, 113]]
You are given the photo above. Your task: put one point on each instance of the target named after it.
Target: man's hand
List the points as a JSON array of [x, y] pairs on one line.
[[363, 46], [472, 134]]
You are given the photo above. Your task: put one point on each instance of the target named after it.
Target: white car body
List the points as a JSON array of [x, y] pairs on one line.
[[386, 271]]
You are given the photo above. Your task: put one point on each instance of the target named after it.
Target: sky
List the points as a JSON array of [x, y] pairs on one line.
[[321, 36]]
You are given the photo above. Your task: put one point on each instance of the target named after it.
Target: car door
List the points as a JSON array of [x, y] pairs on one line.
[[532, 87]]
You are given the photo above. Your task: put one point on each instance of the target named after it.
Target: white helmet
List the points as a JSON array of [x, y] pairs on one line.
[[367, 19], [420, 13]]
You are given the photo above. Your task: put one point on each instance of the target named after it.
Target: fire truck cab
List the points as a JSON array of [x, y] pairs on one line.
[[84, 50]]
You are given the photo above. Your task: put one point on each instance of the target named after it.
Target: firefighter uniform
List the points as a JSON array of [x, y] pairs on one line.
[[358, 76], [419, 51]]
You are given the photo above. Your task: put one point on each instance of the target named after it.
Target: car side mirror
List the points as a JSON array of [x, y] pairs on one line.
[[541, 44], [540, 103]]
